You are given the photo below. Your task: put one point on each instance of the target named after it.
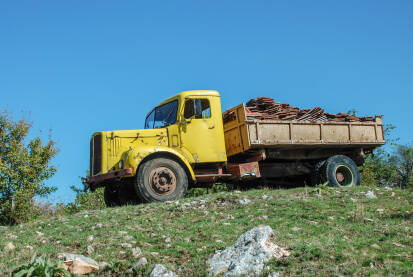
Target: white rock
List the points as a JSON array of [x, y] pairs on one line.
[[244, 201], [370, 195], [126, 245], [29, 247], [248, 255], [128, 237], [9, 246], [168, 240], [274, 274], [78, 264], [90, 238], [161, 271], [141, 262], [136, 252], [380, 210]]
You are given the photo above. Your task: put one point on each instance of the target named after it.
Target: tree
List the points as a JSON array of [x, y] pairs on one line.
[[378, 168], [24, 166], [403, 162]]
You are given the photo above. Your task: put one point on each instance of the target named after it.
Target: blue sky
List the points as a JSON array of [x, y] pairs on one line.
[[82, 66]]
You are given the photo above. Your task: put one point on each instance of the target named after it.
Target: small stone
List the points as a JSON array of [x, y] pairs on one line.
[[274, 274], [86, 216], [295, 229], [154, 253], [375, 246], [122, 233], [90, 249], [161, 271], [29, 247], [90, 238], [128, 237], [370, 195], [126, 245], [99, 225], [265, 197], [9, 246], [380, 211], [168, 240], [136, 252], [141, 262], [393, 194]]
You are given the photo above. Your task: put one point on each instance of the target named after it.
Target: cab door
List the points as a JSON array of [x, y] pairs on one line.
[[201, 129]]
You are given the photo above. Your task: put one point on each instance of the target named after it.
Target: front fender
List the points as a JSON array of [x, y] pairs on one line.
[[134, 157]]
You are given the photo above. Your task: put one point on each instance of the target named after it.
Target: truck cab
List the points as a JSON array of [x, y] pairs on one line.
[[182, 136]]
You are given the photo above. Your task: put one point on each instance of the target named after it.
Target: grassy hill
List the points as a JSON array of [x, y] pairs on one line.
[[328, 232]]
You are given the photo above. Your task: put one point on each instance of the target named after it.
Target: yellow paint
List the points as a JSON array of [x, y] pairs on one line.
[[191, 140]]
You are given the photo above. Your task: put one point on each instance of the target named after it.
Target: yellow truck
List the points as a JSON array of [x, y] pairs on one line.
[[185, 143]]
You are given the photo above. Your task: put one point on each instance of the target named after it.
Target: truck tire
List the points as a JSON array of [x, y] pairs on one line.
[[111, 196], [161, 179], [341, 171]]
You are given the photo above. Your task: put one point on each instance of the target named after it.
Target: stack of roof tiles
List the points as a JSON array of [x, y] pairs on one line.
[[265, 108]]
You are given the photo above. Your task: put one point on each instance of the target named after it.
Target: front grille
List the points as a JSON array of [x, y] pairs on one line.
[[95, 155]]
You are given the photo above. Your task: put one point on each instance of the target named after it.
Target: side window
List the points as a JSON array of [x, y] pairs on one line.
[[197, 108], [150, 120]]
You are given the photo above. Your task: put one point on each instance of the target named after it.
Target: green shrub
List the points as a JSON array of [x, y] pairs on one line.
[[39, 267], [86, 201]]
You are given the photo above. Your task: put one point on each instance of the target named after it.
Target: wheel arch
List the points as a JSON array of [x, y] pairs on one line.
[[173, 156]]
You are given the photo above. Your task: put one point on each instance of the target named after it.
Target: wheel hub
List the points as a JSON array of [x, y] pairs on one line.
[[344, 176], [162, 180]]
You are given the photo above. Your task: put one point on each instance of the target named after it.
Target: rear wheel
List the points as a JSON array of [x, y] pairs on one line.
[[161, 179], [341, 171]]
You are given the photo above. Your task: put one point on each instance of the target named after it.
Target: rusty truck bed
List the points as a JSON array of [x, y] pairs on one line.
[[242, 135]]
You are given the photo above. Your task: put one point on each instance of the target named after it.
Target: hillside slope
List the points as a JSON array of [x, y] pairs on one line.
[[328, 232]]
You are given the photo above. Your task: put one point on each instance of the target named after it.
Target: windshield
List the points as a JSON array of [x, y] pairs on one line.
[[162, 116]]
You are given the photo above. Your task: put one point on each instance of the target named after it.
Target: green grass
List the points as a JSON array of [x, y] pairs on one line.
[[328, 231]]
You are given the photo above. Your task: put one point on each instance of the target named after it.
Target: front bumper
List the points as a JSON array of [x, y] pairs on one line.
[[94, 182]]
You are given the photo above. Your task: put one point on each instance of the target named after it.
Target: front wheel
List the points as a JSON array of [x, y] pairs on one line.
[[111, 196], [341, 171], [161, 179]]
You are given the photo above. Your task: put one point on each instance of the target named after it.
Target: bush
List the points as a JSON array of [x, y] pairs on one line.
[[86, 201]]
